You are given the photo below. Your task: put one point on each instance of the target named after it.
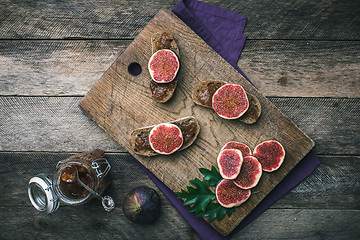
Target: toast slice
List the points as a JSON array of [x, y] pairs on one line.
[[161, 40], [139, 138], [203, 92], [254, 111], [162, 92]]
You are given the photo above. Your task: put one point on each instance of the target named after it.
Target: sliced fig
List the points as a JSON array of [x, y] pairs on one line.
[[203, 95], [270, 154], [229, 195], [139, 138], [165, 138], [229, 162], [163, 66], [250, 173], [162, 92], [245, 150], [230, 101]]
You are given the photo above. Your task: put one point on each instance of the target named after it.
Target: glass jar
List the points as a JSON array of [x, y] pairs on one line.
[[77, 179]]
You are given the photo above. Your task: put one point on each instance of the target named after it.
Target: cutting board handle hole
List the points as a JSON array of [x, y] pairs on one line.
[[134, 69]]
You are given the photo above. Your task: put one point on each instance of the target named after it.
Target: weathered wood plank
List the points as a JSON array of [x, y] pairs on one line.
[[273, 224], [334, 20], [303, 68], [335, 184], [54, 67], [90, 219], [303, 213], [327, 20], [303, 224], [310, 68], [336, 176], [327, 121], [49, 124], [73, 19], [57, 124]]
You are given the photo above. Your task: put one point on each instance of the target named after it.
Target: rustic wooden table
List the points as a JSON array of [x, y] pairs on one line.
[[303, 55]]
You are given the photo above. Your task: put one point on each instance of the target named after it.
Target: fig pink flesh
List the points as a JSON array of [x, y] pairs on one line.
[[229, 162], [230, 101], [229, 195], [245, 150], [250, 173], [163, 66], [165, 138], [270, 154]]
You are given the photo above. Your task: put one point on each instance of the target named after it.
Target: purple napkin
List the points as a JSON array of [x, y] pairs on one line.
[[222, 30]]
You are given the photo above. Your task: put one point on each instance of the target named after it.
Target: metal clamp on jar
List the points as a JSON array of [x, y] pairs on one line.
[[77, 179]]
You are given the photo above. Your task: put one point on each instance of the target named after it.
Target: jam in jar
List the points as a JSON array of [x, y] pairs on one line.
[[77, 179]]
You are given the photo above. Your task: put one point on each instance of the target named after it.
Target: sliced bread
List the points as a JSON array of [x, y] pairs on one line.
[[139, 138], [203, 92]]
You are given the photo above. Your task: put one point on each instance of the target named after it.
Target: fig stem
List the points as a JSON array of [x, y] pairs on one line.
[[107, 201]]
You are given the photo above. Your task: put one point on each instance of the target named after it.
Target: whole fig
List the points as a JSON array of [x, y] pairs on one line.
[[142, 205]]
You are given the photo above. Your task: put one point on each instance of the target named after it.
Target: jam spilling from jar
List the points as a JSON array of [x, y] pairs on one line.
[[70, 185], [188, 129]]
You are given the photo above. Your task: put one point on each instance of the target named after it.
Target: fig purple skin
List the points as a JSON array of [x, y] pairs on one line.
[[142, 205]]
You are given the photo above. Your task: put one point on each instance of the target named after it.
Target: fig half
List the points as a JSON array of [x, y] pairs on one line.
[[142, 205], [250, 173], [229, 162], [230, 101], [229, 195], [163, 66], [165, 138], [245, 150], [270, 154]]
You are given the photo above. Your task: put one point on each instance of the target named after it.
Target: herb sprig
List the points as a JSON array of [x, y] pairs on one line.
[[201, 198]]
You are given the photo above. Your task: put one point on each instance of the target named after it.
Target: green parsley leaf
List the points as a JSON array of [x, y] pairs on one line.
[[215, 210], [212, 176], [200, 196]]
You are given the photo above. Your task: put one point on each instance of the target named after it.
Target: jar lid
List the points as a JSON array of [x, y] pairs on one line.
[[42, 195]]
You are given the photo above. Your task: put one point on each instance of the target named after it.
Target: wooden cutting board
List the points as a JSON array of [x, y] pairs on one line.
[[120, 102]]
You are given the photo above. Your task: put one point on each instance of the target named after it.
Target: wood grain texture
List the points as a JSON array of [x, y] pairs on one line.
[[90, 221], [307, 211], [60, 48], [119, 98], [336, 176], [56, 123], [54, 67], [296, 224], [303, 68], [273, 224], [310, 68], [327, 20], [335, 184], [76, 19]]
